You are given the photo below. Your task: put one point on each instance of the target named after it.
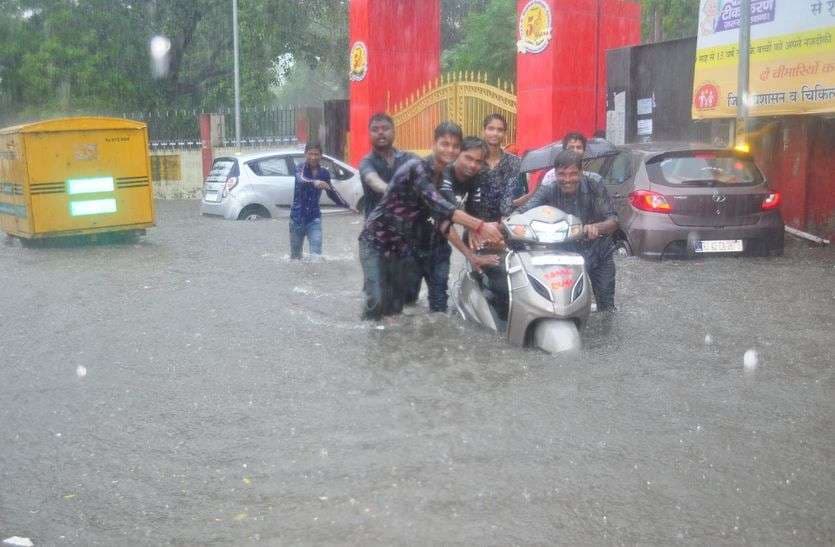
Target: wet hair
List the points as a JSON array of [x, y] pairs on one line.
[[494, 116], [574, 136], [568, 158], [380, 117], [448, 128], [470, 143], [313, 145]]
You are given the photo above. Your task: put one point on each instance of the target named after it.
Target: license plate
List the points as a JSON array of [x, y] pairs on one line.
[[719, 246], [211, 196]]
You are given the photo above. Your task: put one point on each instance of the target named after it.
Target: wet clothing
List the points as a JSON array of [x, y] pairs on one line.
[[305, 215], [392, 232], [432, 253], [305, 195], [385, 281], [410, 200], [312, 230], [494, 190], [592, 204], [433, 266], [375, 163], [600, 265]]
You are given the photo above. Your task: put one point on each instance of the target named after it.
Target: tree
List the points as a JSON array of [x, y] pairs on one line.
[[93, 55], [668, 19], [453, 15], [488, 42]]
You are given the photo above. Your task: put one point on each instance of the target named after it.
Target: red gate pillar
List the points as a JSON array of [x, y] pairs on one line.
[[561, 64], [206, 144], [395, 49]]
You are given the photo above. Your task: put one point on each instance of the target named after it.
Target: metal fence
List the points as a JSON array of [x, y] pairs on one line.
[[260, 126]]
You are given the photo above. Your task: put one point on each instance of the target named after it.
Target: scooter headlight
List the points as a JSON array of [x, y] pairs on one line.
[[520, 231], [550, 233]]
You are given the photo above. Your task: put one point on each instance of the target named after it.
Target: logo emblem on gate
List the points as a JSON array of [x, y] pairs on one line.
[[358, 61], [534, 27]]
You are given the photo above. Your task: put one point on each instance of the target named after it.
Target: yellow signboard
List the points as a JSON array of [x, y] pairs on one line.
[[792, 58]]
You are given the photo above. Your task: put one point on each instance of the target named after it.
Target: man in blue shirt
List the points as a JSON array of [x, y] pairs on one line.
[[305, 216]]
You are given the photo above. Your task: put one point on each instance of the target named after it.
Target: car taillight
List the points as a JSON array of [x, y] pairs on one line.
[[649, 201], [231, 182], [772, 201]]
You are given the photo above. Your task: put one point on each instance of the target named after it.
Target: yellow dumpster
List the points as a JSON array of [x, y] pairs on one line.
[[74, 176]]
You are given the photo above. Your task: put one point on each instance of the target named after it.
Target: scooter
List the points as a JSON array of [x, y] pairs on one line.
[[549, 290]]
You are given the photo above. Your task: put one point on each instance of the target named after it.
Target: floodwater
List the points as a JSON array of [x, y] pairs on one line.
[[197, 387]]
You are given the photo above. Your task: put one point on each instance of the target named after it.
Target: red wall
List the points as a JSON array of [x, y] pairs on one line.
[[563, 88], [404, 50], [821, 180], [797, 155]]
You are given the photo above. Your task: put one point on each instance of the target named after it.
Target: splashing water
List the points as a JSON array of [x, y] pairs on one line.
[[751, 360]]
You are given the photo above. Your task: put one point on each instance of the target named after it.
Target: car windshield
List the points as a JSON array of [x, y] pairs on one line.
[[221, 170], [708, 168]]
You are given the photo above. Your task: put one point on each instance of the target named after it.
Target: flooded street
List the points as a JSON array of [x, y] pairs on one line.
[[197, 387]]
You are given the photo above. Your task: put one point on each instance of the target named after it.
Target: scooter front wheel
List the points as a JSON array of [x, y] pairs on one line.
[[556, 336]]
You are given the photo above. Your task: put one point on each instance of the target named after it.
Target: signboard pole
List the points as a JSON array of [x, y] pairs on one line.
[[236, 54], [742, 78]]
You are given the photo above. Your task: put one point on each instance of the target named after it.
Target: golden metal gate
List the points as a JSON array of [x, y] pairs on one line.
[[462, 97]]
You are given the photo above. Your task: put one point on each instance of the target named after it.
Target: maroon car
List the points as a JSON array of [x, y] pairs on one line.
[[690, 199]]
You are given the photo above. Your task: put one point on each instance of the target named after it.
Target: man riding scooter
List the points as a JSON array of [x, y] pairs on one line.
[[587, 199]]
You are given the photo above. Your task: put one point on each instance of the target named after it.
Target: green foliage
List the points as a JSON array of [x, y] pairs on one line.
[[488, 42], [453, 15], [93, 55], [668, 19]]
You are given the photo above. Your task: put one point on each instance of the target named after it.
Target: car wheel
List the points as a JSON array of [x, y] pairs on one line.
[[254, 212]]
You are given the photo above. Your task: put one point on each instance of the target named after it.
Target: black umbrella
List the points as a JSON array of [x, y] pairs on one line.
[[543, 158]]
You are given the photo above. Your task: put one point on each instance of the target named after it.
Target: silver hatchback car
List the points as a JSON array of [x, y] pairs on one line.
[[261, 184]]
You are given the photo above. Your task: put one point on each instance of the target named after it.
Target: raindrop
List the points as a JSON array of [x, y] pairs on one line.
[[751, 360], [708, 340], [160, 47], [81, 371]]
